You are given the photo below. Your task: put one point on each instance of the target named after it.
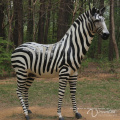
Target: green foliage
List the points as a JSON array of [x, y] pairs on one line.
[[5, 57], [85, 63]]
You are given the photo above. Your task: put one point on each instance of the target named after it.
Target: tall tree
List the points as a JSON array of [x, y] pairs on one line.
[[30, 22], [117, 20], [113, 29], [118, 35], [33, 8], [111, 50], [15, 28], [41, 22], [20, 22], [10, 19], [99, 38], [18, 18], [1, 18], [64, 17], [47, 21]]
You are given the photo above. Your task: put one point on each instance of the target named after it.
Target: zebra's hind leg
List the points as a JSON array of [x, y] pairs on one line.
[[29, 82], [21, 81], [72, 83]]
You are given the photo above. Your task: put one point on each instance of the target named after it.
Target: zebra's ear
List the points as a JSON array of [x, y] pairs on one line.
[[102, 10], [93, 11], [98, 11]]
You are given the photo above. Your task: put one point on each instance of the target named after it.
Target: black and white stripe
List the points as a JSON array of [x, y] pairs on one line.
[[63, 58]]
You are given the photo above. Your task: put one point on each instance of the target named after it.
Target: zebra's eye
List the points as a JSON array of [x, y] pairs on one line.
[[97, 20]]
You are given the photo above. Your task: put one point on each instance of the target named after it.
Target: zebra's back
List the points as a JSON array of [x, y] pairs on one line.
[[38, 59]]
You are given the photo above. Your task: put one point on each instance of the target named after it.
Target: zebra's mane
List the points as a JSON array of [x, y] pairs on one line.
[[84, 15], [89, 13]]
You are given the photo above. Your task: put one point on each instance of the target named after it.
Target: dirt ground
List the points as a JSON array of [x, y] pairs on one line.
[[50, 113]]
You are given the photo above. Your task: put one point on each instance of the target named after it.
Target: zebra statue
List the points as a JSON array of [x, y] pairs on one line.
[[63, 58]]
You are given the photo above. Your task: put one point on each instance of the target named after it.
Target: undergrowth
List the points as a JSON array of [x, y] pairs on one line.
[[5, 57]]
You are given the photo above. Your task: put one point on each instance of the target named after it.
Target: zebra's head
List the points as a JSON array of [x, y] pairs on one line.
[[99, 22]]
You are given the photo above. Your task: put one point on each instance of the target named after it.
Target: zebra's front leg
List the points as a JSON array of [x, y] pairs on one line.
[[73, 82], [62, 86]]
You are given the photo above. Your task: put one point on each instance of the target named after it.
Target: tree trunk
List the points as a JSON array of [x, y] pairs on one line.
[[47, 22], [1, 18], [41, 22], [53, 26], [113, 29], [10, 19], [117, 20], [99, 37], [20, 22], [118, 23], [89, 2], [18, 18], [93, 2], [111, 50], [64, 17], [30, 22], [34, 30], [15, 29]]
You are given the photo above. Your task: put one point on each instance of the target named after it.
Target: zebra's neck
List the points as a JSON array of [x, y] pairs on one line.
[[83, 28], [78, 38]]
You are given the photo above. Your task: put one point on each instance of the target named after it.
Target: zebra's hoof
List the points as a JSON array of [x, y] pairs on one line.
[[29, 111], [27, 117], [61, 118], [78, 115]]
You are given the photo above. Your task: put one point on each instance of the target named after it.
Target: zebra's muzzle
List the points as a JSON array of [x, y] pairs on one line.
[[105, 35]]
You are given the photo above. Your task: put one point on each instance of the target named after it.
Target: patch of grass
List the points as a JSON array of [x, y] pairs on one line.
[[43, 93], [8, 93], [103, 93], [99, 93]]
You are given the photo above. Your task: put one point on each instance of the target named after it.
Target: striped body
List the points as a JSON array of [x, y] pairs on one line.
[[61, 59], [42, 60]]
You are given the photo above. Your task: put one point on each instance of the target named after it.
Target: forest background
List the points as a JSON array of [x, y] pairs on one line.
[[46, 21]]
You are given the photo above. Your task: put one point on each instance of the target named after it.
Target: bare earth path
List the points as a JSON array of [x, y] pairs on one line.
[[50, 114]]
